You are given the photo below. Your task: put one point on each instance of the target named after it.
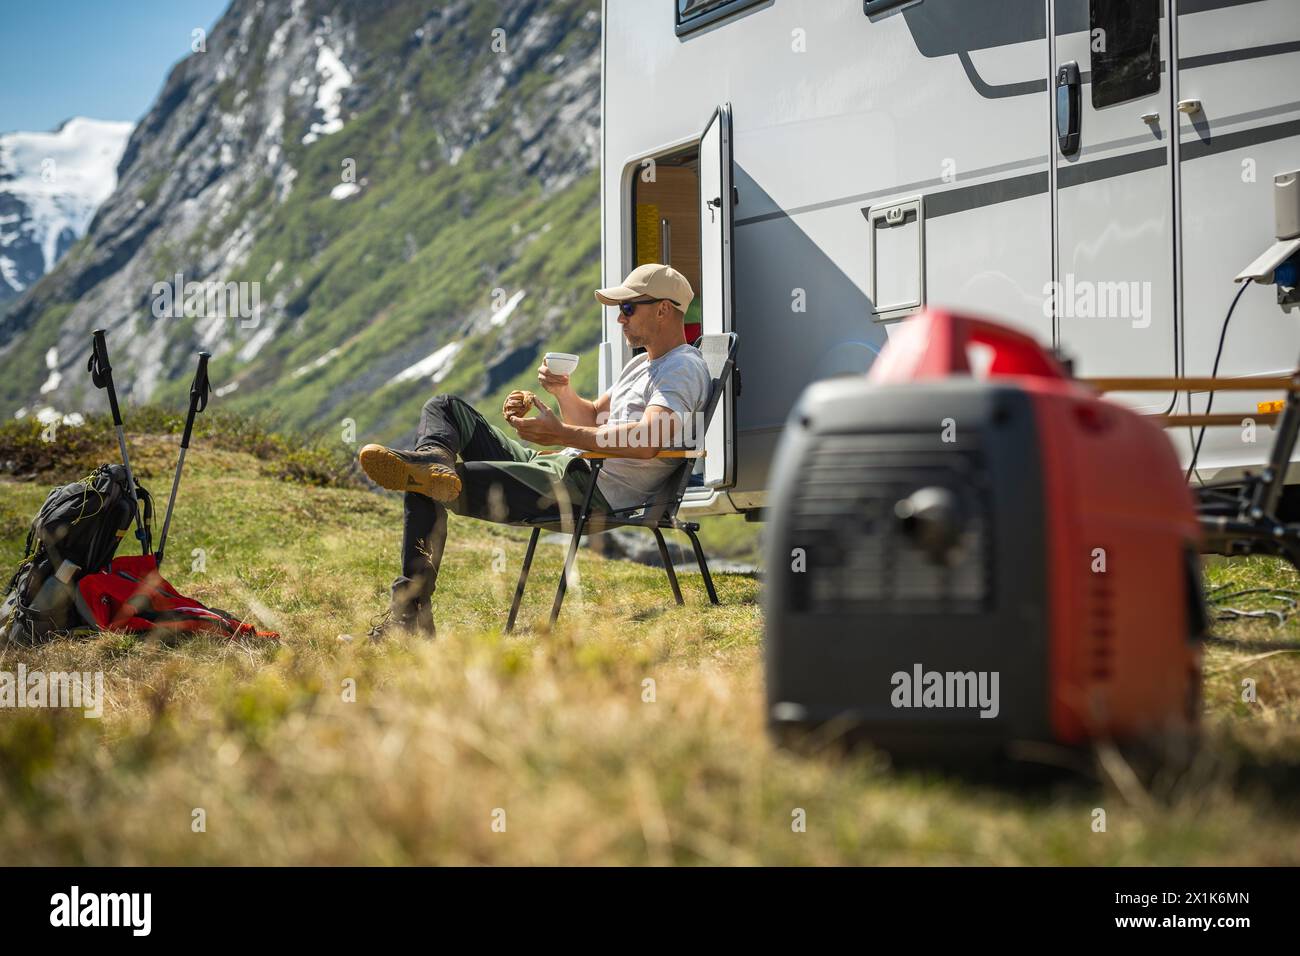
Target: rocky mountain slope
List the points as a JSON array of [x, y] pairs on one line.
[[50, 186], [382, 199]]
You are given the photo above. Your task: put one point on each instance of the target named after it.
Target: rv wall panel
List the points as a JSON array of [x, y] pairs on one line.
[[832, 114]]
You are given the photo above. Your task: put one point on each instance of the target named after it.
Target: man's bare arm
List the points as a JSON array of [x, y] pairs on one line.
[[574, 409], [640, 439]]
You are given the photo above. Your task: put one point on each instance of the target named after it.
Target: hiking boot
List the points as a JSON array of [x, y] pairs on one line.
[[416, 620], [431, 473]]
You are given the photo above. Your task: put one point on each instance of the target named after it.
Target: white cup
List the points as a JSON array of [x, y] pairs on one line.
[[561, 363]]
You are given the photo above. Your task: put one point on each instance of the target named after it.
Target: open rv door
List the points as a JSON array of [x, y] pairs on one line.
[[717, 292]]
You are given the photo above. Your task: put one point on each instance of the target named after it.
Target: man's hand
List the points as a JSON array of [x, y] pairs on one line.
[[545, 429], [574, 409], [553, 383]]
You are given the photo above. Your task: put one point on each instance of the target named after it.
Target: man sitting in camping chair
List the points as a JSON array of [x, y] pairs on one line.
[[500, 479]]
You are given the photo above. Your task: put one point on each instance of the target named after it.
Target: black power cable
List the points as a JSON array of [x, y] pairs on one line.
[[1214, 373]]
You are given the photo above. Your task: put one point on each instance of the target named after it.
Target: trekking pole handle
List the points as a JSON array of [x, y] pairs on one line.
[[101, 371], [199, 389]]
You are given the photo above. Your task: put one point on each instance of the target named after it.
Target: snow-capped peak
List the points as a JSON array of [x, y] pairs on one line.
[[50, 186]]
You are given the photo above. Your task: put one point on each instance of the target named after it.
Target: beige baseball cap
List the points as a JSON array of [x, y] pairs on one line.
[[650, 281]]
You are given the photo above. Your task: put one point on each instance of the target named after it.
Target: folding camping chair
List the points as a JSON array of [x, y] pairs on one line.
[[658, 514]]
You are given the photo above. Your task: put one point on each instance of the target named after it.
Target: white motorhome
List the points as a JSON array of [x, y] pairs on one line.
[[1095, 172]]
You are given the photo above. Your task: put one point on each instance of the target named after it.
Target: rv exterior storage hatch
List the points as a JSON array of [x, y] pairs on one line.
[[897, 259]]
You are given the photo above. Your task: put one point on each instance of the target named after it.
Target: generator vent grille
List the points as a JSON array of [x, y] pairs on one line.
[[857, 556], [1101, 630]]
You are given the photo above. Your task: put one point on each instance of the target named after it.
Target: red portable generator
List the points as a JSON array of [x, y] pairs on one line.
[[956, 564]]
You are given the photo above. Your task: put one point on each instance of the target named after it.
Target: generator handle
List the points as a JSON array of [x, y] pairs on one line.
[[935, 344]]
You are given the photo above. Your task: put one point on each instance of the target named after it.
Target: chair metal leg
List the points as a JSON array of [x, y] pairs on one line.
[[523, 580], [668, 565], [573, 543], [704, 565]]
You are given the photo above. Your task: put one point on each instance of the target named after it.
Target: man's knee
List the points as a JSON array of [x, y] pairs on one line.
[[441, 403]]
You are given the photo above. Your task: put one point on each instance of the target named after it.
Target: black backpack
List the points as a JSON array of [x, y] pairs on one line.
[[82, 523]]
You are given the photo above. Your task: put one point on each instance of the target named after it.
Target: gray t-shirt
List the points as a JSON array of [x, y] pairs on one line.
[[678, 380]]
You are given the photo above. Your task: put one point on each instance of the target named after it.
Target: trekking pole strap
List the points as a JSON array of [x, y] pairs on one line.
[[199, 390], [101, 372]]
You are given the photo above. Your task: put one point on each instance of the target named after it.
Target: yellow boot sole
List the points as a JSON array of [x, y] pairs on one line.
[[388, 470]]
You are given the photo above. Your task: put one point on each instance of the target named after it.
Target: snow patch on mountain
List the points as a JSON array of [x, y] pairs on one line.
[[9, 272], [49, 415], [55, 376], [437, 365], [316, 363], [502, 315], [334, 79], [254, 345]]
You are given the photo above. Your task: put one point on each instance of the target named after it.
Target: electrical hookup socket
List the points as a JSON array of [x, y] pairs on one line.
[[1280, 263]]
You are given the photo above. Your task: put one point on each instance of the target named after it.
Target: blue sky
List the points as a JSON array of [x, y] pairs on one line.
[[105, 59]]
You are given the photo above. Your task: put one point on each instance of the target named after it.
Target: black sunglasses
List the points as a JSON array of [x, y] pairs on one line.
[[627, 308]]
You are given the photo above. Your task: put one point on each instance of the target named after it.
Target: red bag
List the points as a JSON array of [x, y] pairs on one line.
[[132, 596]]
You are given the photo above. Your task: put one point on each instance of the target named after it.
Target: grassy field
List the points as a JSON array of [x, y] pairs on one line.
[[632, 734]]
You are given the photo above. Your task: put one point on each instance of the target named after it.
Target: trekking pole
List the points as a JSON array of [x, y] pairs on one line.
[[198, 402], [101, 373]]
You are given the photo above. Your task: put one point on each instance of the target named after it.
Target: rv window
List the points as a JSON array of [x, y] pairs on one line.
[[1124, 39], [870, 7], [693, 14]]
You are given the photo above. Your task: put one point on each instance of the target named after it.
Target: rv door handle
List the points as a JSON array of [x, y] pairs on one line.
[[1068, 107], [1151, 119]]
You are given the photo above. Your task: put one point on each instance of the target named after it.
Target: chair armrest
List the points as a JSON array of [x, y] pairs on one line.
[[662, 453]]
